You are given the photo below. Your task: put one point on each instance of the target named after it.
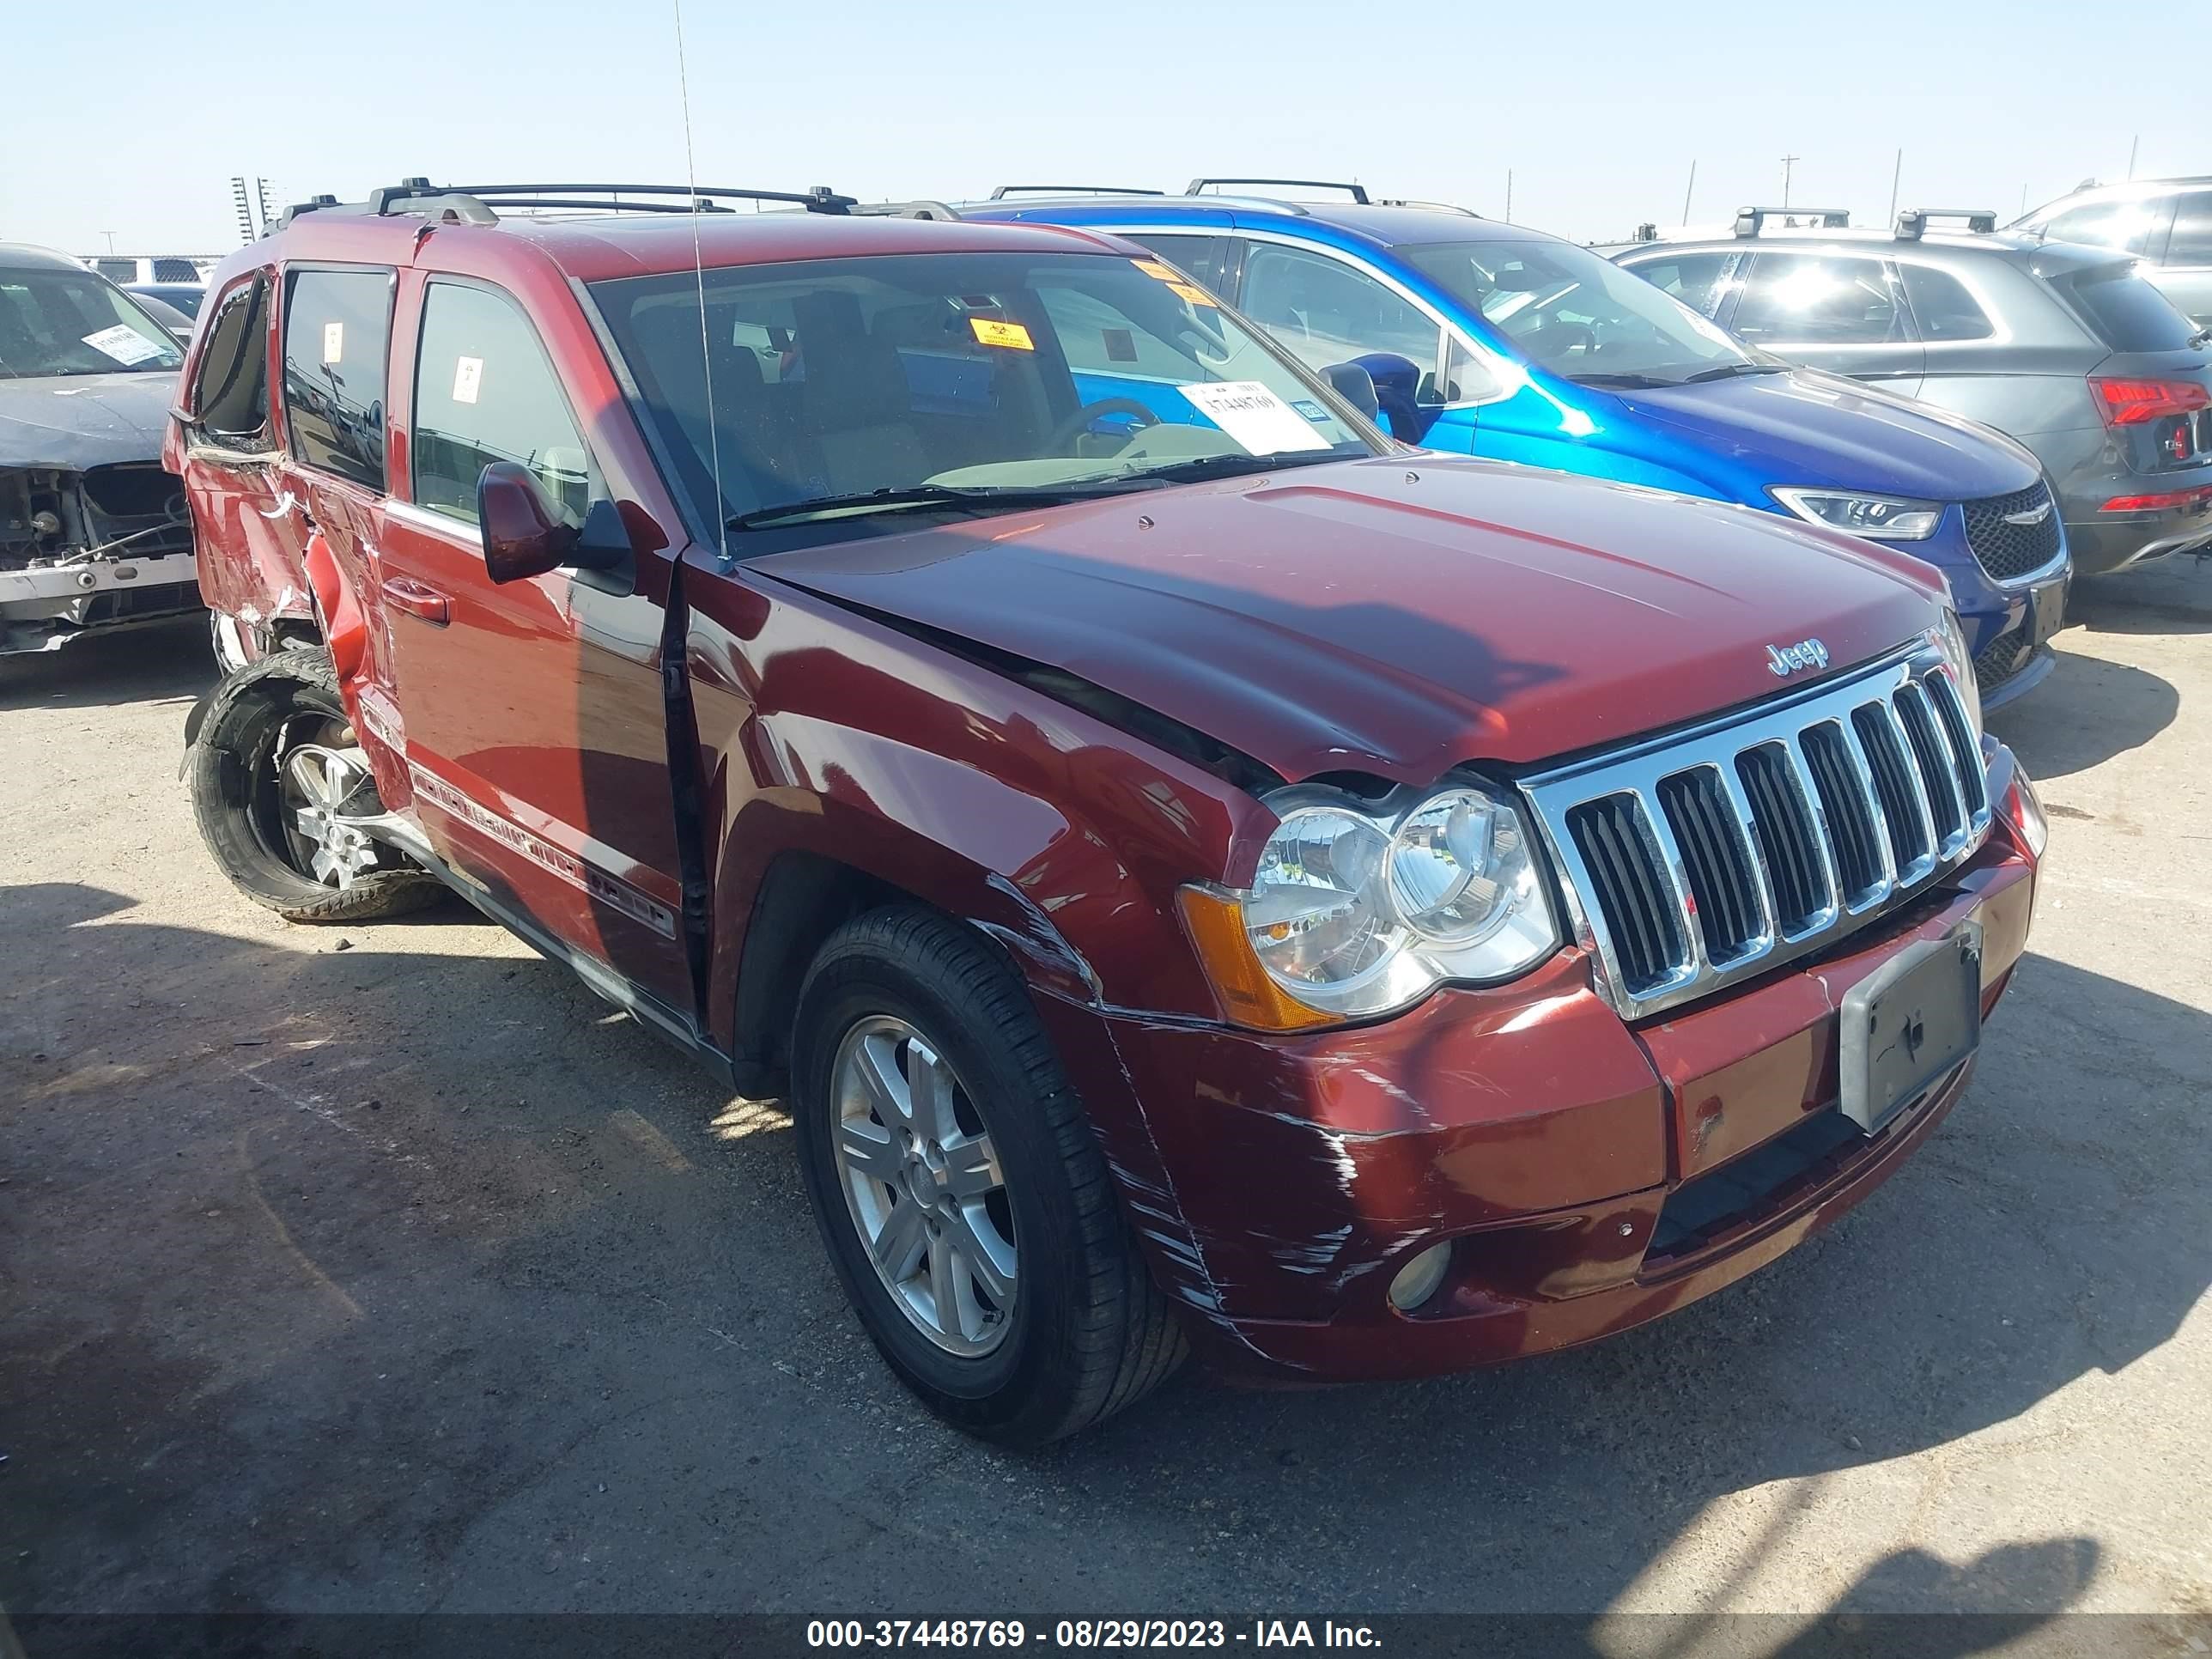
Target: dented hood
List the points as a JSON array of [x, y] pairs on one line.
[[1398, 615], [80, 421]]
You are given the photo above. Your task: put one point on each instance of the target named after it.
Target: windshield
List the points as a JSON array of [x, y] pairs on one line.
[[72, 322], [951, 379], [1582, 317]]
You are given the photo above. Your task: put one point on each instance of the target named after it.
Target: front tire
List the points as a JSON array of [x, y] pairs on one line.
[[964, 1200], [277, 746]]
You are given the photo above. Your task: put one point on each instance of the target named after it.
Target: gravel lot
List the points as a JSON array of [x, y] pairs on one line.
[[384, 1268]]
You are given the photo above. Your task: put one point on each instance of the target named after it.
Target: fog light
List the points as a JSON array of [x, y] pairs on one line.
[[1417, 1281]]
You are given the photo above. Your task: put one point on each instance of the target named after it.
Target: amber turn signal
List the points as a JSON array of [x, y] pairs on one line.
[[1215, 922]]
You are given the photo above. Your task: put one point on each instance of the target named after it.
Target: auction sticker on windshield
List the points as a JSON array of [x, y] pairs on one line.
[[1255, 417], [123, 343]]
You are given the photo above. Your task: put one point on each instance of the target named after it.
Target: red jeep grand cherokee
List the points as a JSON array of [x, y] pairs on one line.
[[1201, 874]]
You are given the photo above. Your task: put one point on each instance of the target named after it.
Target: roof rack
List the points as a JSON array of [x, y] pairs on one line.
[[1750, 220], [1912, 223], [474, 204], [1005, 190], [1359, 192], [922, 208], [1433, 207]]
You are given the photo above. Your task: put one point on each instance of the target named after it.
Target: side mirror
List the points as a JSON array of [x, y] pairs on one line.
[[524, 538], [1356, 386], [1398, 391]]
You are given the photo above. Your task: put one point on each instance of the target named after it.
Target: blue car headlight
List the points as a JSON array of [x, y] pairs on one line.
[[1878, 518]]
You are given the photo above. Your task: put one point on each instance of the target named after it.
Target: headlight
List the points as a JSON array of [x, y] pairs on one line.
[[1950, 639], [1356, 910], [1878, 518]]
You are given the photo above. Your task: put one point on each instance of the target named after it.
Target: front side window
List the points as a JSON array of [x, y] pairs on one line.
[[854, 386], [63, 320], [117, 270], [485, 391], [1693, 278], [1943, 307], [2192, 230], [1581, 316], [231, 399], [1819, 299], [1327, 312], [337, 328]]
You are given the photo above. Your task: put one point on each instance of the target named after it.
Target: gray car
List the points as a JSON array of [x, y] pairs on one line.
[[2064, 347], [2165, 222]]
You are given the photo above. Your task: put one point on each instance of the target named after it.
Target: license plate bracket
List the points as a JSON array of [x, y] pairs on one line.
[[2046, 613], [1908, 1024]]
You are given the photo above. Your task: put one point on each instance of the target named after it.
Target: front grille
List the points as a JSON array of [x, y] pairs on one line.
[[1695, 861], [2008, 551]]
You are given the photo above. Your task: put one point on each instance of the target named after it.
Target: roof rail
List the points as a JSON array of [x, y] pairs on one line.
[[1750, 220], [1359, 192], [475, 203], [921, 209], [1005, 190], [1433, 207], [1912, 223]]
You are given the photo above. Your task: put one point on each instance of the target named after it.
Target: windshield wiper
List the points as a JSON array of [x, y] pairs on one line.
[[1229, 466], [1728, 370], [1633, 382], [901, 498]]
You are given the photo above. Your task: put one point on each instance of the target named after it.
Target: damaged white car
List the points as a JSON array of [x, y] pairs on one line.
[[93, 535]]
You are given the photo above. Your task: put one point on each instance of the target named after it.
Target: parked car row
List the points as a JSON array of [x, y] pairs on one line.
[[1205, 876]]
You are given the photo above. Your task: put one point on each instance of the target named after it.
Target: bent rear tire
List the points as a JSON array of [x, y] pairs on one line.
[[274, 751], [965, 1201]]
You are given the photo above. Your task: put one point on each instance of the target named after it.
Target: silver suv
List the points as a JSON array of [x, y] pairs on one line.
[[2165, 222], [2061, 346]]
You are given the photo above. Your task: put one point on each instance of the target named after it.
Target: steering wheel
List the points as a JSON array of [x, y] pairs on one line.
[[1571, 335], [1064, 434]]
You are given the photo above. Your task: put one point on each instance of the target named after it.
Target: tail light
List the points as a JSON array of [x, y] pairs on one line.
[[2201, 495], [2136, 402]]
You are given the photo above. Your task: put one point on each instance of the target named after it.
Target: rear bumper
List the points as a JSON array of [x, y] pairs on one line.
[[43, 609], [1589, 1176], [2120, 541]]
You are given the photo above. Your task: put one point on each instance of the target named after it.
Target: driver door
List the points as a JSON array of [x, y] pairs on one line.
[[532, 721]]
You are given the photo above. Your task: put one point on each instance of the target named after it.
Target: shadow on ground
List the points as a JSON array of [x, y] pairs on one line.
[[384, 1278], [170, 662]]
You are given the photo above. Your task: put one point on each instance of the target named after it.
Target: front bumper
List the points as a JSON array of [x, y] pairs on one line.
[[45, 607], [1590, 1176]]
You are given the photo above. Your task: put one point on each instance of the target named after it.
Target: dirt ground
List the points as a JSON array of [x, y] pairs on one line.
[[385, 1268]]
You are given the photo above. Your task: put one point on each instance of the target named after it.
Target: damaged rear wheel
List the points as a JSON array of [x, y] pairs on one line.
[[281, 791]]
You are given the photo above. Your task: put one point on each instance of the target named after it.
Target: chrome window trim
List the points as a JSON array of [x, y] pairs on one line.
[[1636, 770]]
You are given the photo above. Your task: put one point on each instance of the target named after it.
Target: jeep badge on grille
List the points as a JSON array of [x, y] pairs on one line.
[[1787, 659]]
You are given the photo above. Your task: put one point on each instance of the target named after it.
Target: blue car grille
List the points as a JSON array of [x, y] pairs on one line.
[[2008, 551]]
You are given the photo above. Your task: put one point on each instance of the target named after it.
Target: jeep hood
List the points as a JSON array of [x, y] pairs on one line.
[[75, 421], [1398, 615], [1820, 428]]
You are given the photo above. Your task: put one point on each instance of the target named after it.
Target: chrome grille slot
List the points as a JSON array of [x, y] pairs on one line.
[[1628, 878], [1718, 862], [1932, 755], [1965, 752], [1847, 804], [1790, 844], [1896, 788], [1697, 858]]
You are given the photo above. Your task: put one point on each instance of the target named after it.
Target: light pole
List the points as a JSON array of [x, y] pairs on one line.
[[1788, 162]]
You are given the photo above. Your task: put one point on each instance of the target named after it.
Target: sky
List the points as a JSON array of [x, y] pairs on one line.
[[132, 118]]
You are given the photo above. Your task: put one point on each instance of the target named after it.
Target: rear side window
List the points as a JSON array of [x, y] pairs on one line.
[[1943, 305], [175, 270], [232, 396], [1811, 299], [2192, 230], [485, 391], [2124, 311], [1205, 258], [337, 328], [117, 270], [1693, 278]]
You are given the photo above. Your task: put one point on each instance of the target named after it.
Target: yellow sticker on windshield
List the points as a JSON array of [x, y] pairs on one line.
[[990, 331], [1197, 296], [1160, 272]]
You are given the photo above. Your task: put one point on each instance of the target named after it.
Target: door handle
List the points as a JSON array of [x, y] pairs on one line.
[[417, 600]]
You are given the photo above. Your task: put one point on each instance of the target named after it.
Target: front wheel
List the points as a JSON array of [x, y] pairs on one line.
[[965, 1201], [279, 786]]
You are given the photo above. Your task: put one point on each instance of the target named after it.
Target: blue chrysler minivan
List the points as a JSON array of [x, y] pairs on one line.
[[1488, 339]]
